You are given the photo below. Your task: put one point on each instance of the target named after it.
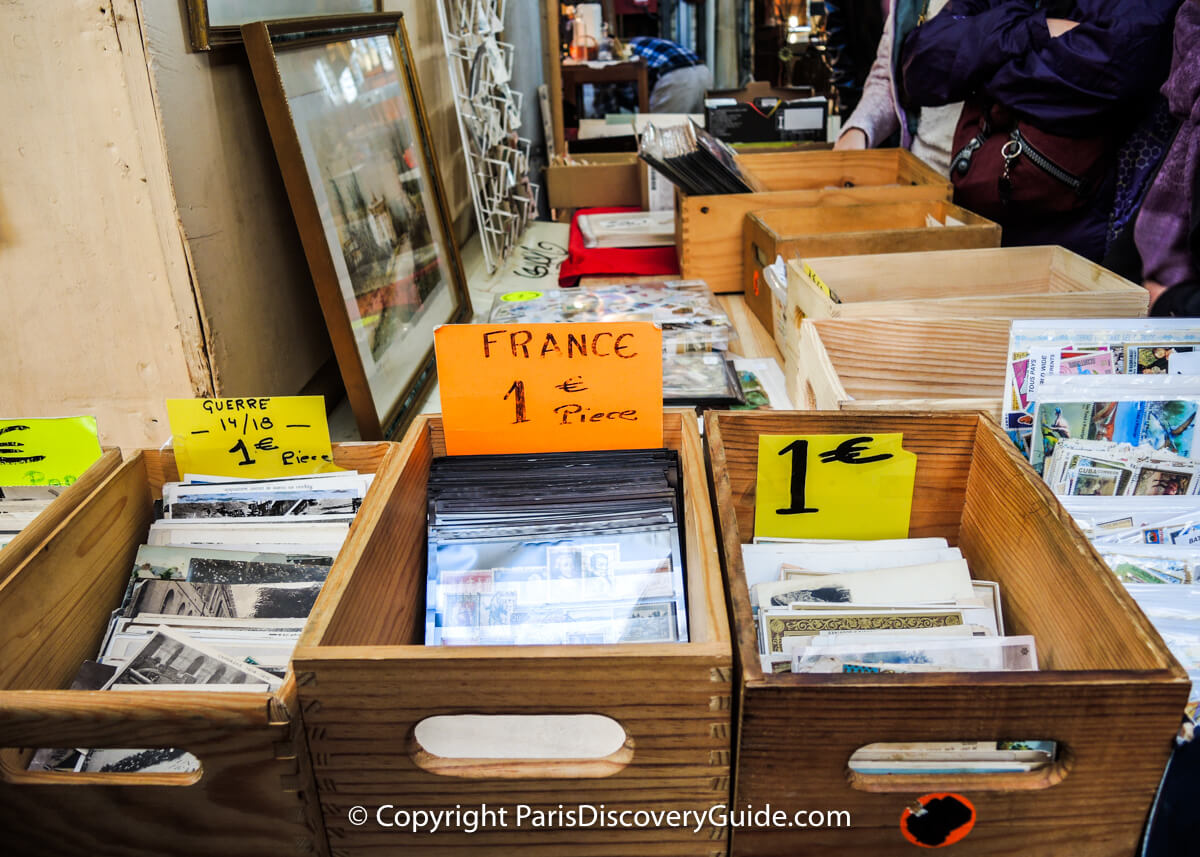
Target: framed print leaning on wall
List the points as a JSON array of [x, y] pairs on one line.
[[350, 132], [218, 22]]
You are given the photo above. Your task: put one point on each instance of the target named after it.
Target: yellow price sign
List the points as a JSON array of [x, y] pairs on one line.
[[259, 438], [47, 451], [834, 486]]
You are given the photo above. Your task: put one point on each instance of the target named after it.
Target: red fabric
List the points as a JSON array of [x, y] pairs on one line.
[[632, 7], [637, 262]]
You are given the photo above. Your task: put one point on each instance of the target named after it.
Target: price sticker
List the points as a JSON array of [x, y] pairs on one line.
[[257, 438], [815, 279], [550, 387], [520, 297], [47, 451], [834, 486]]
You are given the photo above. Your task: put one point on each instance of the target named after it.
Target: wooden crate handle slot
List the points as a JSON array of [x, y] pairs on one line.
[[520, 746], [1043, 778], [62, 719]]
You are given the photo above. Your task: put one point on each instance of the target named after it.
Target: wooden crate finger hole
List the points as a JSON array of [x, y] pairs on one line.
[[14, 767], [520, 746], [1045, 777]]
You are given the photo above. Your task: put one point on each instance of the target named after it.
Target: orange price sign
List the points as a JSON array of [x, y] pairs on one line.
[[550, 387]]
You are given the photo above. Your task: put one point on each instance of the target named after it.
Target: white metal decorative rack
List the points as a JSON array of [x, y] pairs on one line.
[[489, 119]]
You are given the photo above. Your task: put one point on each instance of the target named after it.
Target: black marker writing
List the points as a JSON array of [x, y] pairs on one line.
[[849, 452], [13, 451]]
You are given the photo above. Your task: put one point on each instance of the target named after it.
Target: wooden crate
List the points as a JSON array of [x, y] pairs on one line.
[[901, 364], [254, 794], [1108, 689], [851, 230], [926, 332], [1009, 282], [32, 536], [366, 680], [708, 229]]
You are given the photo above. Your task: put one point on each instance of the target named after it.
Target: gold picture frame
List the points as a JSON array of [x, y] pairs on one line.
[[350, 131], [213, 23]]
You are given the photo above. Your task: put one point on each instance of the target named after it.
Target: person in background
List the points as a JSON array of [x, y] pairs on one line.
[[1167, 230], [1051, 91], [929, 131], [678, 79], [852, 33]]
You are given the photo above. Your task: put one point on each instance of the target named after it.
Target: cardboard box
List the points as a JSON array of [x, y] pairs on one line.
[[751, 120], [598, 181], [762, 89], [607, 180], [769, 120]]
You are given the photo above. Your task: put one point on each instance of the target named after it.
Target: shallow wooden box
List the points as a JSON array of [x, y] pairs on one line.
[[897, 364], [1108, 690], [708, 229], [32, 536], [852, 230], [1007, 282], [366, 680], [254, 794], [930, 331]]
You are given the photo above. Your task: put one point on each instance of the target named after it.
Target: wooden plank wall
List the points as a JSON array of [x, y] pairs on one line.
[[265, 331], [146, 245], [90, 258]]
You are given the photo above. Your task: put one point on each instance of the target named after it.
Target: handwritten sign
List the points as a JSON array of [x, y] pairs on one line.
[[834, 486], [540, 261], [257, 438], [550, 387], [47, 451]]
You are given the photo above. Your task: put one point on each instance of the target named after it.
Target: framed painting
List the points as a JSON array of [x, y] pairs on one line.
[[351, 135], [219, 22]]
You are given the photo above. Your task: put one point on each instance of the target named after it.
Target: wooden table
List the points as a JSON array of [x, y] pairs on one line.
[[576, 74]]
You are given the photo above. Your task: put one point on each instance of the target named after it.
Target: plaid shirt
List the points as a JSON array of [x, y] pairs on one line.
[[662, 56]]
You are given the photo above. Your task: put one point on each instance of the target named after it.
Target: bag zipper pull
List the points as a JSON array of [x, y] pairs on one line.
[[1010, 152], [962, 160]]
